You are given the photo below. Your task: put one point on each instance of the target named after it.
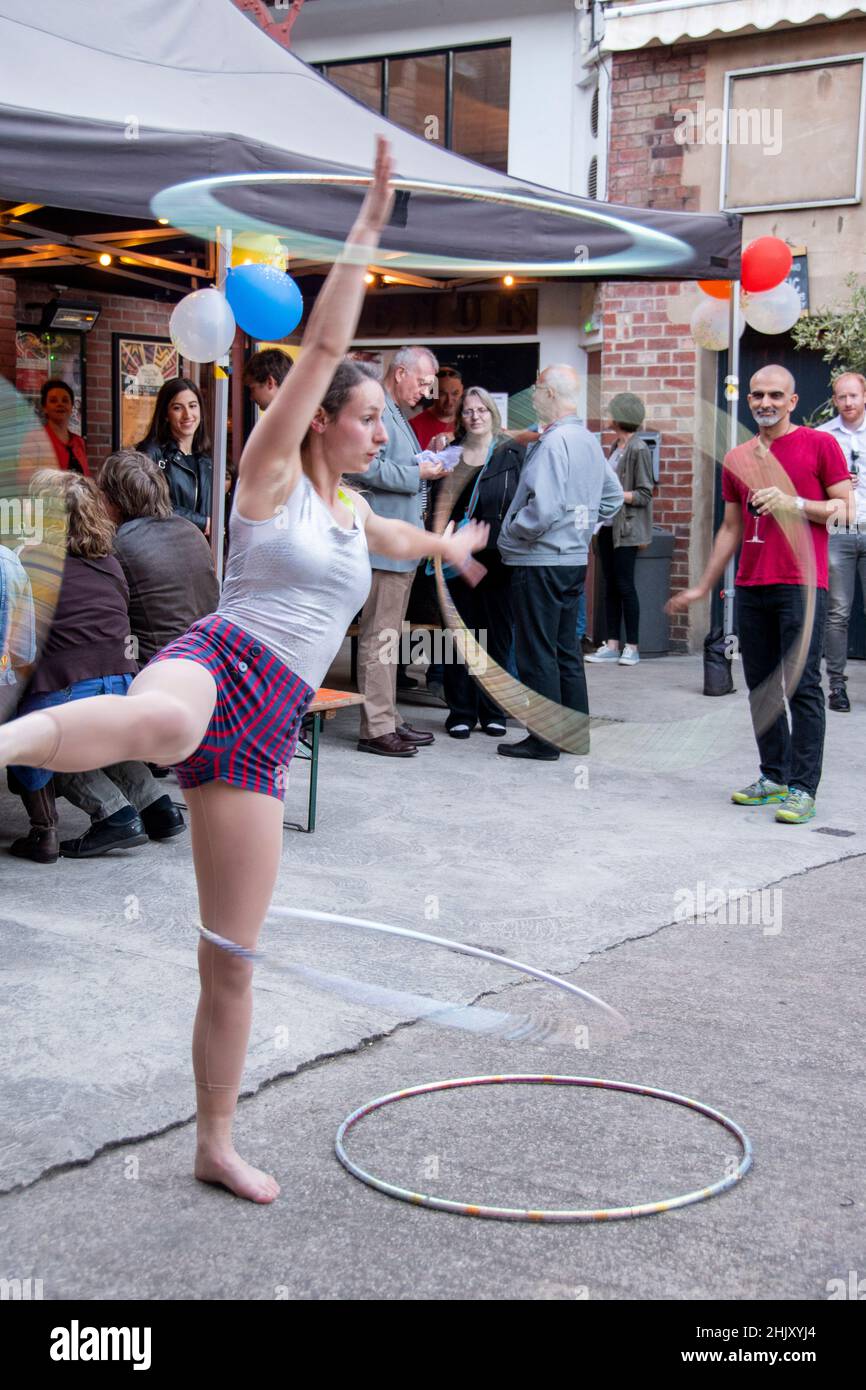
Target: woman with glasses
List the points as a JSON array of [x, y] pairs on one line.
[[491, 464]]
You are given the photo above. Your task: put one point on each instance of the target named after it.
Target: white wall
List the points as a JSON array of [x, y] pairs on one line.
[[544, 56], [548, 138]]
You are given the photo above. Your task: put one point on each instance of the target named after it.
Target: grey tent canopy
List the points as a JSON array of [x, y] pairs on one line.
[[103, 107]]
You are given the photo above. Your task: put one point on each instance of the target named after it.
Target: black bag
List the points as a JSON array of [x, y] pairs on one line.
[[718, 676]]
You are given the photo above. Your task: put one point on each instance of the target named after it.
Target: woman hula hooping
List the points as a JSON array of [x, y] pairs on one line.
[[223, 704]]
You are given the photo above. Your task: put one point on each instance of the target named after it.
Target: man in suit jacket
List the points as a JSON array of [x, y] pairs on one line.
[[393, 486]]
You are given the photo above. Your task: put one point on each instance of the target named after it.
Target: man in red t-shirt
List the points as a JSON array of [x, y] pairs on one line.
[[783, 491], [441, 416]]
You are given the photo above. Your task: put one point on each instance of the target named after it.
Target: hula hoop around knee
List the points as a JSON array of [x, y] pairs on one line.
[[541, 1215]]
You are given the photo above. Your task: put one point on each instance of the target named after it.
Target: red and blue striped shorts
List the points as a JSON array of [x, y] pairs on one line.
[[253, 732]]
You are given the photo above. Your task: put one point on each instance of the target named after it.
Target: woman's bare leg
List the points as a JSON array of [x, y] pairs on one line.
[[237, 839], [161, 719]]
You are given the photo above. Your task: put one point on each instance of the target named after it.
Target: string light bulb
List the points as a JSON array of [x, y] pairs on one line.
[[105, 259]]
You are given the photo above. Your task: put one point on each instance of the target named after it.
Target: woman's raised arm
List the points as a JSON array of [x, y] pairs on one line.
[[270, 464]]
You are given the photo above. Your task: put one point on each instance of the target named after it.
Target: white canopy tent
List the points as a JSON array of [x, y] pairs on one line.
[[103, 106]]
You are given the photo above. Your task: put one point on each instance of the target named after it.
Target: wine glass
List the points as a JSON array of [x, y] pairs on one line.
[[755, 539]]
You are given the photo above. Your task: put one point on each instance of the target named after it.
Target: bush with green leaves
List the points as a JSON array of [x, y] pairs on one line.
[[840, 336]]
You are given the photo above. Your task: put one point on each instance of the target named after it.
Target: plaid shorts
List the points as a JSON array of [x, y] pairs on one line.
[[254, 729]]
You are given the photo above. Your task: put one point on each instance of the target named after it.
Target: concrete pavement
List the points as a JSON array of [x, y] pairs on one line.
[[580, 869]]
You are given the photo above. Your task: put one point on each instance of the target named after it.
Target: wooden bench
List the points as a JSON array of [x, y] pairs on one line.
[[324, 706]]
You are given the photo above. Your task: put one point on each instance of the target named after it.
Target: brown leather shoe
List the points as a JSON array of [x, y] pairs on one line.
[[388, 745], [416, 736], [40, 845]]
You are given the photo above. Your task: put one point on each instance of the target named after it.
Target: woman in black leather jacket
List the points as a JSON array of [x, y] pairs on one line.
[[491, 462], [178, 441]]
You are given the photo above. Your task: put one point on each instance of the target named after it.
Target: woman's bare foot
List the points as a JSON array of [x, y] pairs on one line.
[[228, 1169]]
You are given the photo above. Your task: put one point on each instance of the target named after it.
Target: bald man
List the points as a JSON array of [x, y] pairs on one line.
[[847, 547], [799, 475], [565, 487]]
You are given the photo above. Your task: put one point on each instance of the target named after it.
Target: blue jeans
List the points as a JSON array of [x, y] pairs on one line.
[[34, 778]]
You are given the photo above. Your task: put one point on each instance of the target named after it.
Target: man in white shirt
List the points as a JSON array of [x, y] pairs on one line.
[[847, 546]]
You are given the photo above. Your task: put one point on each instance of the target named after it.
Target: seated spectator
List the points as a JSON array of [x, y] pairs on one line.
[[435, 427], [265, 373], [17, 628], [178, 441], [166, 561], [492, 463], [87, 652]]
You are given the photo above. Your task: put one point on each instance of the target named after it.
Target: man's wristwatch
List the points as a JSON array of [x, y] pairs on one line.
[[800, 503]]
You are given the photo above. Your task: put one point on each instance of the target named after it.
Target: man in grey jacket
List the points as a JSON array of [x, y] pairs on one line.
[[565, 487], [393, 487]]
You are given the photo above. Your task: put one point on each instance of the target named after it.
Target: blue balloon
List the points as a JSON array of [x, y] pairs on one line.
[[265, 301]]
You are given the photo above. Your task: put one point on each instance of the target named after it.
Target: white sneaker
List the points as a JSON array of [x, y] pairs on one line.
[[630, 656], [605, 653]]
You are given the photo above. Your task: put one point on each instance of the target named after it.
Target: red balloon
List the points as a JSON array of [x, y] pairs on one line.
[[716, 289], [766, 263]]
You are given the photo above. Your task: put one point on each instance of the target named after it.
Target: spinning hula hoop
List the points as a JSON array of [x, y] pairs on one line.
[[196, 204], [540, 1215]]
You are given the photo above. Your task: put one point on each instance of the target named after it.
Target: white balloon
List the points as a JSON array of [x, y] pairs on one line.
[[202, 326], [710, 323], [774, 311]]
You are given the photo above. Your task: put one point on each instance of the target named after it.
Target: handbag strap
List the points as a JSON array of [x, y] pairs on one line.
[[473, 500]]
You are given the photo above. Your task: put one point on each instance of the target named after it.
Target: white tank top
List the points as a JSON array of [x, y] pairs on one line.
[[296, 580]]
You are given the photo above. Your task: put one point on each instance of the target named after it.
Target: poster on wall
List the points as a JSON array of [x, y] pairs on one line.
[[140, 366], [39, 356]]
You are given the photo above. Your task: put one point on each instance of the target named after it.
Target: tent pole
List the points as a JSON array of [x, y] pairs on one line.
[[732, 396], [221, 419]]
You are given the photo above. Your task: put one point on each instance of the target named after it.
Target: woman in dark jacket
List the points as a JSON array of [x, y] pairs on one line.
[[178, 441], [86, 653], [619, 541], [491, 463]]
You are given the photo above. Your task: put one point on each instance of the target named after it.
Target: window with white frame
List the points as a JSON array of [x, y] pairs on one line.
[[792, 135]]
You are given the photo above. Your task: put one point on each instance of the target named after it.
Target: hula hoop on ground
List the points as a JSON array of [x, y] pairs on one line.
[[542, 1215]]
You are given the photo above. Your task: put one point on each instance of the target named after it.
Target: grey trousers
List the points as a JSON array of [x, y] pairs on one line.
[[847, 555], [383, 612], [109, 789]]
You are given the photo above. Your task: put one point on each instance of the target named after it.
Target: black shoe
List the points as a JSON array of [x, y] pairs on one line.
[[105, 835], [839, 700], [495, 729], [529, 748], [407, 683], [162, 820], [458, 730]]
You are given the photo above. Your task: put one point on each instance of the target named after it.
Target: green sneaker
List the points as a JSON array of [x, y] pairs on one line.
[[760, 793], [797, 807]]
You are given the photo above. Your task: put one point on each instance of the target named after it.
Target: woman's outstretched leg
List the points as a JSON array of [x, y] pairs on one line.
[[237, 839], [161, 719]]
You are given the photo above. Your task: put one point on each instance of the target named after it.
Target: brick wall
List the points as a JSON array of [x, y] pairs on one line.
[[643, 351], [7, 327], [119, 315]]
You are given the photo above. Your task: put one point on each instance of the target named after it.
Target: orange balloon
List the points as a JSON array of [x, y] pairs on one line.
[[716, 289]]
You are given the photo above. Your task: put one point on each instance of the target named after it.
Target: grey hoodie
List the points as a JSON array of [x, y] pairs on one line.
[[565, 487]]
